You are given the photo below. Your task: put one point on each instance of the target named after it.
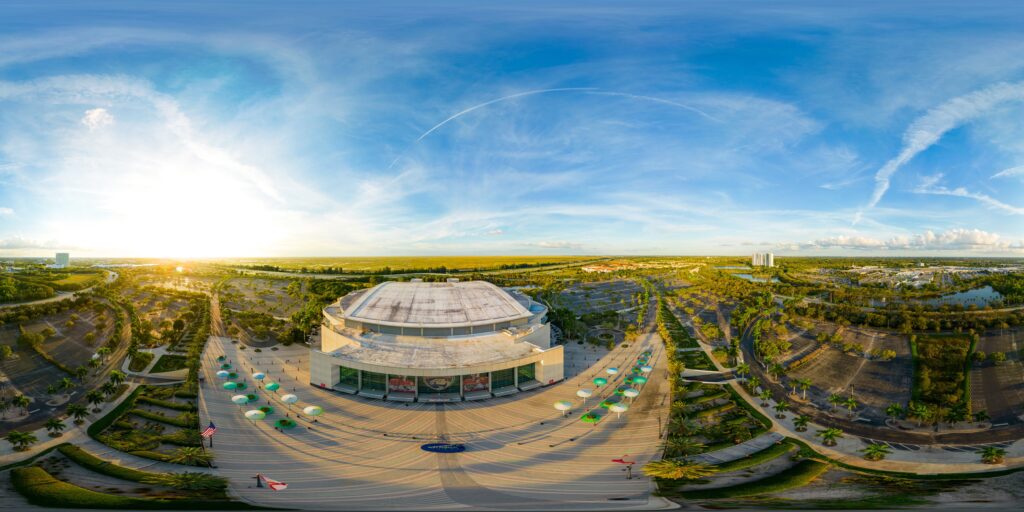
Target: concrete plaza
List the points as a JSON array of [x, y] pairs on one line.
[[365, 453]]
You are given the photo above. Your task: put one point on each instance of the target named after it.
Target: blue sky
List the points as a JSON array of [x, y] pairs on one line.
[[330, 128]]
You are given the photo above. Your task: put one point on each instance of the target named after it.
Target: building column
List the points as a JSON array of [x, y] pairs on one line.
[[515, 376], [490, 382], [359, 381]]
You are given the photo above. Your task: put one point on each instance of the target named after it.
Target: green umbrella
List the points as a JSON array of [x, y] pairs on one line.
[[600, 381], [221, 359], [241, 385], [639, 379], [225, 366], [591, 418], [267, 409], [285, 423], [272, 386], [230, 385]]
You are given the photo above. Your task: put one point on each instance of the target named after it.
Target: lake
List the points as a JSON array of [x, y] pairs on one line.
[[753, 279]]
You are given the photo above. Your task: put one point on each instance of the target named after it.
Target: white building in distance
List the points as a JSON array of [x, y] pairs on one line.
[[435, 342], [763, 259], [62, 260]]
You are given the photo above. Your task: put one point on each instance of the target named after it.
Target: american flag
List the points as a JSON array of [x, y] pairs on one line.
[[209, 431], [274, 484]]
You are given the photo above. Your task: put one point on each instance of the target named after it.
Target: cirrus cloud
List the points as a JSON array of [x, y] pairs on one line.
[[958, 239]]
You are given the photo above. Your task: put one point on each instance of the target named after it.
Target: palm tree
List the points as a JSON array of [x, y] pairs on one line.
[[55, 426], [81, 372], [683, 446], [894, 411], [108, 388], [765, 396], [191, 456], [65, 384], [829, 436], [675, 469], [117, 377], [992, 455], [835, 400], [743, 369], [804, 384], [103, 352], [188, 481], [776, 370], [955, 414], [981, 416], [21, 401], [876, 451], [95, 398], [800, 422], [753, 382], [920, 411], [21, 440], [780, 409], [78, 412], [851, 404]]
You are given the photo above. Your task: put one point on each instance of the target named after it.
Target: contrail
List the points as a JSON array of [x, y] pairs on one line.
[[588, 90]]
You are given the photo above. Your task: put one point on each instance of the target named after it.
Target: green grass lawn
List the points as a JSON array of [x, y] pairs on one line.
[[803, 473], [169, 363], [140, 361], [771, 453]]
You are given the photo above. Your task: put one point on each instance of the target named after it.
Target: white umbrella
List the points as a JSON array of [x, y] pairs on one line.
[[563, 405], [313, 410], [584, 394], [240, 399], [646, 368], [631, 393], [612, 371], [255, 414], [259, 375], [618, 408], [223, 374]]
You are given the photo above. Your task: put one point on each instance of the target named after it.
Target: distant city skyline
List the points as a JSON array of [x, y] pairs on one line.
[[198, 129]]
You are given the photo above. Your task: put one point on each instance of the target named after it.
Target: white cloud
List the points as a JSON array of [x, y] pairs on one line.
[[4, 211], [19, 242], [97, 118], [557, 244], [1012, 171], [929, 185], [952, 239], [929, 128]]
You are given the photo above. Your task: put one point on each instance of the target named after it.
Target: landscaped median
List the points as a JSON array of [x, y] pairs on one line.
[[802, 473]]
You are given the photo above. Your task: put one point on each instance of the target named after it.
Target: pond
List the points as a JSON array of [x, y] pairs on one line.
[[753, 279], [979, 297]]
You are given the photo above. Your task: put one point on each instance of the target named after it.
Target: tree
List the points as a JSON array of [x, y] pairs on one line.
[[753, 382], [765, 396], [187, 481], [675, 469], [191, 456], [78, 412], [108, 388], [850, 403], [95, 398], [780, 409], [920, 411], [804, 384], [894, 411], [992, 455], [876, 451], [65, 384], [835, 399], [21, 440], [981, 416], [800, 422], [743, 369], [683, 446], [81, 372], [103, 352], [776, 370], [6, 352], [22, 401], [55, 426], [997, 357], [829, 436], [117, 377]]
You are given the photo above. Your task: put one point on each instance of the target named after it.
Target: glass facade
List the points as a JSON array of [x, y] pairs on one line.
[[527, 372], [374, 381], [432, 385], [503, 378], [348, 377]]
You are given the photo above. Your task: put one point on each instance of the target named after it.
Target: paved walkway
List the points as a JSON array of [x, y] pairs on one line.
[[365, 453], [741, 450]]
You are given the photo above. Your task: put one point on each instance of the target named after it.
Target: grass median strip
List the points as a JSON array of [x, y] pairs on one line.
[[98, 465], [771, 453], [803, 473]]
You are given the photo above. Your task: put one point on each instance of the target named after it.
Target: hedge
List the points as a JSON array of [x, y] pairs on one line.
[[177, 421], [42, 489], [770, 453], [98, 465], [101, 424], [803, 473], [710, 411], [757, 414], [166, 404]]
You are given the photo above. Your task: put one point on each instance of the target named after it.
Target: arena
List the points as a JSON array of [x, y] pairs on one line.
[[435, 342]]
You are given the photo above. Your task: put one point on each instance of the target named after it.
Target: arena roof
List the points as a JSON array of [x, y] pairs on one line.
[[451, 304]]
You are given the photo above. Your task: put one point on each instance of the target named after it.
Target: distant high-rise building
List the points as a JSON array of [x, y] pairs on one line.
[[63, 260], [762, 259]]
